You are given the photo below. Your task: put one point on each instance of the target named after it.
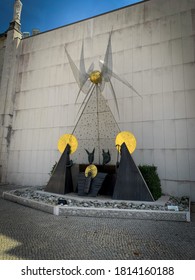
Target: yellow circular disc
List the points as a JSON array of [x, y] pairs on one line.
[[128, 138], [67, 139], [91, 169]]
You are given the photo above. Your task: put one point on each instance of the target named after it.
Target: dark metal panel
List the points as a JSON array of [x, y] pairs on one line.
[[95, 186], [61, 179], [130, 185]]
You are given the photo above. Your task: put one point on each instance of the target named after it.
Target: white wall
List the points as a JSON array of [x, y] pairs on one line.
[[153, 46]]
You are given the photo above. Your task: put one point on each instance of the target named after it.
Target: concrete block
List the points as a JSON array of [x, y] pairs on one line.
[[148, 157], [27, 157], [35, 137], [186, 23], [183, 164], [159, 161], [118, 62], [171, 167], [177, 56], [99, 44], [137, 59], [137, 130], [165, 29], [137, 82], [157, 80], [148, 141], [189, 81], [183, 189], [156, 56], [180, 105], [172, 188], [137, 109], [192, 191], [156, 27], [138, 157], [117, 40], [175, 21], [148, 11], [192, 164], [158, 132], [188, 45], [128, 61], [127, 38], [168, 105], [178, 77], [137, 36], [167, 79], [147, 82], [128, 109], [13, 161], [147, 108], [191, 133], [181, 134], [147, 33], [157, 106], [170, 138], [146, 57]]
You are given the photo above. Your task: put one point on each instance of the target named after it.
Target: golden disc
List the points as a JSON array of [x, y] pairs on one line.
[[67, 139], [91, 169], [128, 138]]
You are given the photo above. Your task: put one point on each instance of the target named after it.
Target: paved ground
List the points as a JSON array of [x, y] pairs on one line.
[[27, 233]]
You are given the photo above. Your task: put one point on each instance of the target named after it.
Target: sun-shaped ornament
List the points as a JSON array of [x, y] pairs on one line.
[[95, 77], [92, 170], [128, 138], [67, 139], [91, 79]]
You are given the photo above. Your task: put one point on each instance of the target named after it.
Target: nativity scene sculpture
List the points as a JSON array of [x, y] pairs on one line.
[[123, 180]]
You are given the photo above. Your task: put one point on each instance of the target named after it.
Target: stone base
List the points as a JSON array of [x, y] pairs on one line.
[[66, 210]]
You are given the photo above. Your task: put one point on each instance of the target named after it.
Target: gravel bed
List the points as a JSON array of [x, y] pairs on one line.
[[37, 194]]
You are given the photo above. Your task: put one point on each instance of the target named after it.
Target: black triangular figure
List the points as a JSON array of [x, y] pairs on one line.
[[61, 179], [130, 185]]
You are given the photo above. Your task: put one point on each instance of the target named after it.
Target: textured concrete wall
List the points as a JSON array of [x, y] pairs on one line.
[[8, 86], [2, 51], [153, 47]]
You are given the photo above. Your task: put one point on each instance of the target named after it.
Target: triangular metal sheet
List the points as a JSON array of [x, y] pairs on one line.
[[130, 184], [61, 180]]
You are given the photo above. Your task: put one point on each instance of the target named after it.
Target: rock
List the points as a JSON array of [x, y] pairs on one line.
[[86, 204]]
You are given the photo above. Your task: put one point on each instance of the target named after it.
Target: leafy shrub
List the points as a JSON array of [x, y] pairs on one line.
[[149, 172]]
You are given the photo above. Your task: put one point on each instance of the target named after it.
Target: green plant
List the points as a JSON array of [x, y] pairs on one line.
[[149, 172]]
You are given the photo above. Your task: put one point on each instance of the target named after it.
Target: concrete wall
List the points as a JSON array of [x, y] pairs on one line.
[[2, 52], [8, 84], [153, 46]]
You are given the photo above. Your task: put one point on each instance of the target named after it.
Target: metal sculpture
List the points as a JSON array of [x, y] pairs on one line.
[[61, 179], [130, 184], [128, 138], [90, 156], [67, 139], [106, 157], [96, 79]]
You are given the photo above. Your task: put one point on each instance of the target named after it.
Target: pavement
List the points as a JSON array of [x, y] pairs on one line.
[[29, 234]]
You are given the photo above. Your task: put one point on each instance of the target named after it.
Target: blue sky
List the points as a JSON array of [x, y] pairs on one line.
[[48, 14]]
